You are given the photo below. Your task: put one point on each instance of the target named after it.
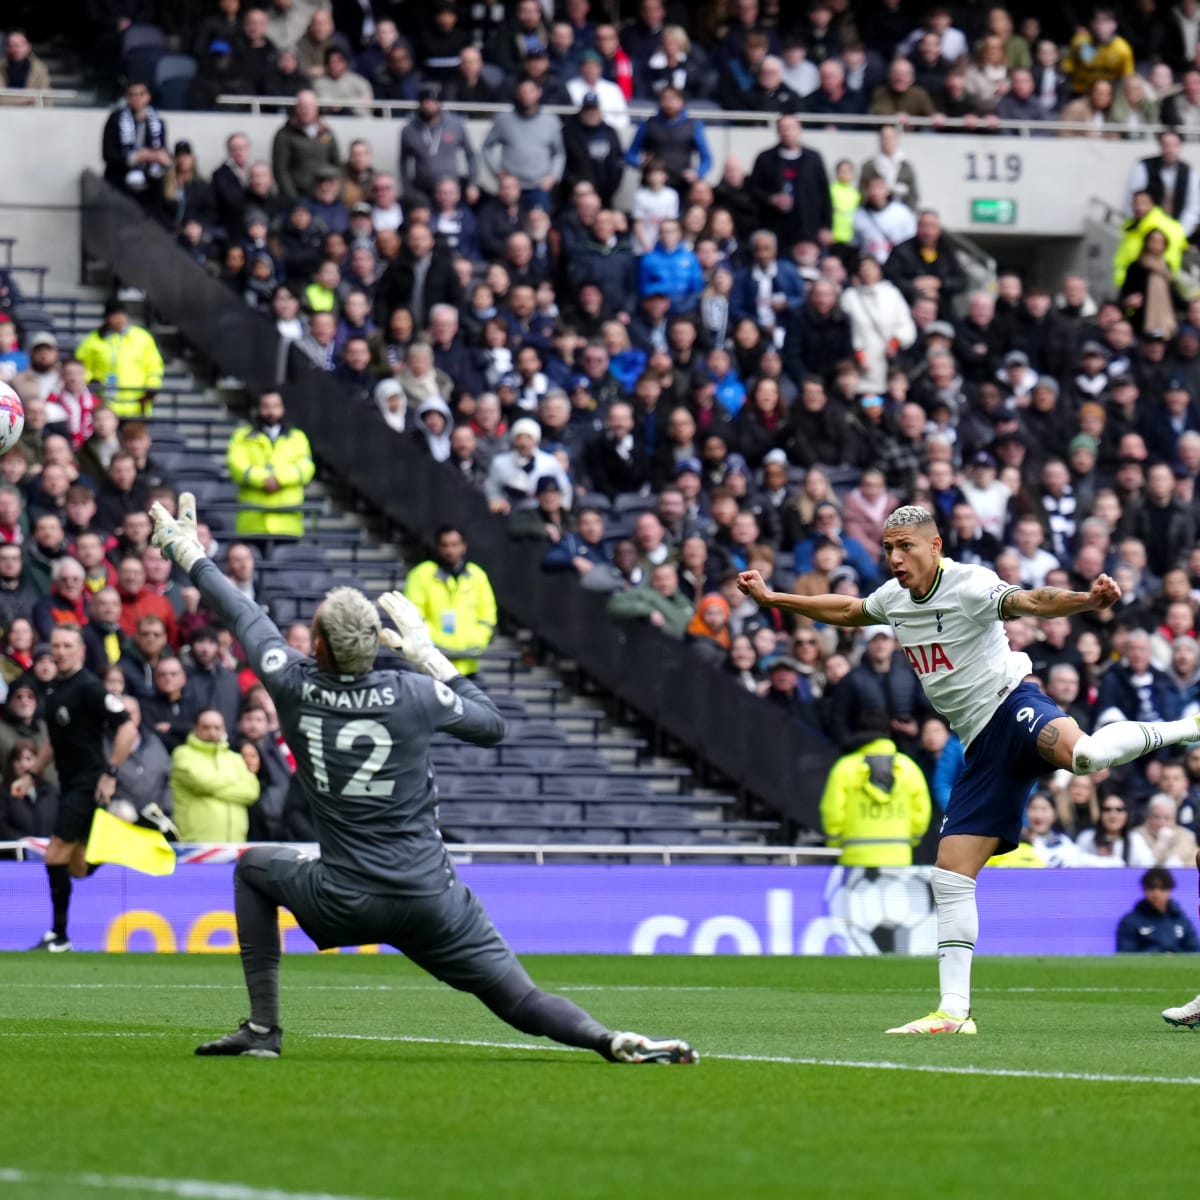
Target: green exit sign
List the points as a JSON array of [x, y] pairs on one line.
[[994, 212]]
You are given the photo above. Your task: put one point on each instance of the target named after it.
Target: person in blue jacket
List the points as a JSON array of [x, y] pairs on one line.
[[671, 270], [581, 550], [827, 524], [1156, 924]]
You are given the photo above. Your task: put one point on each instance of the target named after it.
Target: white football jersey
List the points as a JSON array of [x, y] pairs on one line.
[[954, 638]]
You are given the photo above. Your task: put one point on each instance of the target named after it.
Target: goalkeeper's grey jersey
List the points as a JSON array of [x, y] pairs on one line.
[[361, 744]]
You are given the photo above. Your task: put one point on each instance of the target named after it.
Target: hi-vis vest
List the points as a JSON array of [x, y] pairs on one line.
[[252, 458], [876, 806]]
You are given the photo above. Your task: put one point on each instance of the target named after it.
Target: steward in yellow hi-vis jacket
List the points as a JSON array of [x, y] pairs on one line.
[[123, 363], [876, 806], [270, 462], [455, 600]]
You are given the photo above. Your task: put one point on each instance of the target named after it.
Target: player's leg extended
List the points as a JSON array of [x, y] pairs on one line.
[[960, 859], [1186, 1015], [519, 1001], [257, 912], [1064, 744], [453, 938]]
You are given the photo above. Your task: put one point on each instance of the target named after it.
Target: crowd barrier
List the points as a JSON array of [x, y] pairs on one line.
[[768, 755], [597, 909]]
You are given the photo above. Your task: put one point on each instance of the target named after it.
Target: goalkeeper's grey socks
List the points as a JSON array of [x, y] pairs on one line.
[[517, 1000], [258, 938]]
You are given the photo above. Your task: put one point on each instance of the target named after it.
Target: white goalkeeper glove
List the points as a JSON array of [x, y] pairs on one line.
[[412, 641], [176, 536]]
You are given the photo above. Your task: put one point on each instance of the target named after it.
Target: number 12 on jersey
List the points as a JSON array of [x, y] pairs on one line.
[[363, 781]]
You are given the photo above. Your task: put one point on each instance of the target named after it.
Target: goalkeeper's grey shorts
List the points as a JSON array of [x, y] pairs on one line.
[[449, 935]]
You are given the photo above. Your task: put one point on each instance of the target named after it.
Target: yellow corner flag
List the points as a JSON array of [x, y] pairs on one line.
[[115, 841]]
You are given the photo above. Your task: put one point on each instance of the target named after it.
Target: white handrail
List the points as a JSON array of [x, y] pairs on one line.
[[793, 856], [39, 96], [639, 112]]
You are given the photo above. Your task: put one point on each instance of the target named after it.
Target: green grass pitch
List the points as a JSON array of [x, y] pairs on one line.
[[1074, 1083]]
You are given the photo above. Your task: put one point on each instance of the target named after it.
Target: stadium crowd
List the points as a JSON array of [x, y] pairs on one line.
[[745, 365]]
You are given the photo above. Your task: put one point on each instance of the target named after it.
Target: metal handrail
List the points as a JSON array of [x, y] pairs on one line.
[[793, 856], [39, 96], [639, 111]]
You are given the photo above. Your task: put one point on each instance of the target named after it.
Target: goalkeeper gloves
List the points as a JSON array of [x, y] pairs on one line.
[[176, 536], [412, 641]]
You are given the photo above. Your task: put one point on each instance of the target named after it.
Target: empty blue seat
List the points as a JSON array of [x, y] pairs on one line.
[[536, 731], [575, 759]]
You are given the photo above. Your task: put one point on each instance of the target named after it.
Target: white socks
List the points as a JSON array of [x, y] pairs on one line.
[[1123, 741], [958, 927]]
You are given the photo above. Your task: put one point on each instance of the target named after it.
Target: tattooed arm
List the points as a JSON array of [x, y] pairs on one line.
[[1059, 602]]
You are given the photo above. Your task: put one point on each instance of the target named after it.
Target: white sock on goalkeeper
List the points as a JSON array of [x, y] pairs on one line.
[[1123, 741], [957, 929]]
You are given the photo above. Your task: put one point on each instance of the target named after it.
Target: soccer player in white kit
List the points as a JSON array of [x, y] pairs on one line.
[[1185, 1016], [948, 618]]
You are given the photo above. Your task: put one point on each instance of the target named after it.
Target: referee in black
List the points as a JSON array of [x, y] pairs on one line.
[[79, 713]]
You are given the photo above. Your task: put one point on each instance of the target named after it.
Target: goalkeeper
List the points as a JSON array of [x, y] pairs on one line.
[[361, 741]]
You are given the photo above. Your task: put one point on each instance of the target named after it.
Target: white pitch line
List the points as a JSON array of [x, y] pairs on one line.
[[1067, 991], [787, 1060], [778, 1059], [186, 1189]]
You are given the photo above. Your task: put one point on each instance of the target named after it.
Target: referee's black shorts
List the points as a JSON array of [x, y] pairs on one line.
[[75, 808]]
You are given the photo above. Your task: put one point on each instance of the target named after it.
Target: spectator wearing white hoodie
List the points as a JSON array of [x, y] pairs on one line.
[[881, 324]]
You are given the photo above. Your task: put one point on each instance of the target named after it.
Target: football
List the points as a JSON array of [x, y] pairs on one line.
[[12, 418]]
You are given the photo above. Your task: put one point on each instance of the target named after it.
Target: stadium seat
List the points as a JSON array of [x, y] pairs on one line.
[[634, 503], [173, 76], [578, 759], [142, 63], [297, 554], [459, 786], [193, 470], [510, 708], [545, 812], [462, 814], [665, 837], [597, 500], [613, 814], [591, 786], [665, 816], [535, 731], [142, 36]]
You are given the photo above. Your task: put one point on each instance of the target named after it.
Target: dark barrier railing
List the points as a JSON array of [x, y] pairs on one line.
[[736, 733]]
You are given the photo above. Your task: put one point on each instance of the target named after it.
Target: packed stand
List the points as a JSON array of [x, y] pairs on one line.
[[721, 366], [75, 551], [957, 67]]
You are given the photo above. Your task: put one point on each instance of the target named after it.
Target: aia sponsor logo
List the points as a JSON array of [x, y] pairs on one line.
[[928, 660]]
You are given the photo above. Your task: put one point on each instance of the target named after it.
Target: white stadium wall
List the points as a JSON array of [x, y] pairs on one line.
[[981, 185]]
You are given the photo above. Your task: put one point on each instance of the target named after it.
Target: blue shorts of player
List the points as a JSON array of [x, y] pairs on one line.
[[1002, 765]]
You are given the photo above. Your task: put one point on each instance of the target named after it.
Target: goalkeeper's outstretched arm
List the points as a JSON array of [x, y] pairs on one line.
[[176, 538], [829, 610], [256, 632]]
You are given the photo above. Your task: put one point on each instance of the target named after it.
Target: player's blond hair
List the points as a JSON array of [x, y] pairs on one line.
[[350, 626], [909, 514]]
